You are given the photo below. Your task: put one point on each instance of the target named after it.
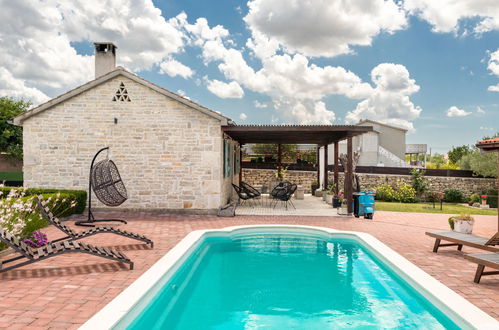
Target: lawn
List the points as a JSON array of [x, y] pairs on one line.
[[428, 208]]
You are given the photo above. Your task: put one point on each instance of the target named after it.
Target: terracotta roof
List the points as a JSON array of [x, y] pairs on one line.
[[118, 71], [490, 144]]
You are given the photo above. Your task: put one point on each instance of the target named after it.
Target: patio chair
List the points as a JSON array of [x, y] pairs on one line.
[[284, 195], [53, 249], [250, 190], [460, 239], [73, 235], [242, 195]]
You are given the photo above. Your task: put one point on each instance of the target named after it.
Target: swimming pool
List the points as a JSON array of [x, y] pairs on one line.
[[286, 277]]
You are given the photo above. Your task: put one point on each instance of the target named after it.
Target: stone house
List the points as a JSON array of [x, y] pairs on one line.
[[170, 151]]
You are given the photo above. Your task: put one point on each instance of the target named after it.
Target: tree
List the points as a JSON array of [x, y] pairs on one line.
[[289, 151], [484, 164], [11, 137], [457, 153]]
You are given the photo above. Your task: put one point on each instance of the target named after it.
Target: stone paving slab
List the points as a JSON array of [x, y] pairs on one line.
[[64, 291]]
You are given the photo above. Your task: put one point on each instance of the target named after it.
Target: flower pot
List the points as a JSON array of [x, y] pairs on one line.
[[463, 226], [343, 210], [314, 188], [318, 193], [336, 202], [329, 198]]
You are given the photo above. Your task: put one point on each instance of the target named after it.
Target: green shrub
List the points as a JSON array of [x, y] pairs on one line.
[[405, 193], [492, 201], [385, 193], [474, 198], [79, 195], [418, 182], [61, 204], [453, 195]]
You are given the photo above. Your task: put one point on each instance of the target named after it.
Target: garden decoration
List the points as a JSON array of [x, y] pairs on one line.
[[105, 181], [462, 223]]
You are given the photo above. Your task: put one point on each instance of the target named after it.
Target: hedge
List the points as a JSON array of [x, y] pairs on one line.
[[80, 195], [492, 201]]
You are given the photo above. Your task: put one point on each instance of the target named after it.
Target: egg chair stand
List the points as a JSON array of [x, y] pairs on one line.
[[105, 181]]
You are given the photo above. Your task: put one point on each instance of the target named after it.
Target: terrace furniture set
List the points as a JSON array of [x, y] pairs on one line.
[[482, 259], [282, 192], [65, 244]]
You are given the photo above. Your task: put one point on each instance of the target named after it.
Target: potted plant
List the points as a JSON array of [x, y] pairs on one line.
[[313, 187], [338, 199], [462, 223], [484, 199], [329, 197], [318, 192]]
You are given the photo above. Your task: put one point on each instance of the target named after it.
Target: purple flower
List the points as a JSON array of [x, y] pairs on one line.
[[37, 240]]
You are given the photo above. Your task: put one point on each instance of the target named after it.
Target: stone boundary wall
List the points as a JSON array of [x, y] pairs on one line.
[[370, 181]]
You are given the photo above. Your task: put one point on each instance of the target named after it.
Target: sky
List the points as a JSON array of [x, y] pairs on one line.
[[431, 67]]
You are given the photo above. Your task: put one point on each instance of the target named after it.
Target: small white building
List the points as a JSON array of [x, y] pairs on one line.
[[384, 146], [170, 151]]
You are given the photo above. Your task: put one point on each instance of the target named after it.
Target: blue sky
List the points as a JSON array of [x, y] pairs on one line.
[[434, 71]]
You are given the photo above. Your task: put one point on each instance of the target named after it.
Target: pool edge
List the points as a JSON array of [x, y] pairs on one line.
[[455, 306]]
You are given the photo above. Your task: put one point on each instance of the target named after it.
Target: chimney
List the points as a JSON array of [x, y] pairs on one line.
[[105, 58]]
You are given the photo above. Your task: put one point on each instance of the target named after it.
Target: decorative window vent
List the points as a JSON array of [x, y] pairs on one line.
[[121, 94]]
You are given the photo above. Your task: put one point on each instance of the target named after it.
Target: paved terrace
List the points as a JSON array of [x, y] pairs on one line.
[[64, 291]]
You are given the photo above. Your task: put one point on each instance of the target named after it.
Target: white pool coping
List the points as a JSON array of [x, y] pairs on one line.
[[461, 311]]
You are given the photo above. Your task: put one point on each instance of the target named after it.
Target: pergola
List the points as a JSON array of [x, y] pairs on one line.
[[321, 135], [491, 145]]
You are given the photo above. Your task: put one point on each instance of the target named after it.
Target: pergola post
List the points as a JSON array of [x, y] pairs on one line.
[[349, 175], [240, 164], [325, 166], [279, 155], [336, 167], [318, 166]]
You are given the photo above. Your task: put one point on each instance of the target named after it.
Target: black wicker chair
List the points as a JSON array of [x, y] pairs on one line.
[[284, 194], [250, 190], [242, 194], [105, 181]]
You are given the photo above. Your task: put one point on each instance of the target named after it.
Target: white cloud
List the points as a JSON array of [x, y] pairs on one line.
[[320, 27], [225, 90], [446, 15], [259, 104], [243, 116], [12, 87], [480, 110], [174, 68], [389, 102], [35, 41], [493, 66], [201, 32], [454, 111]]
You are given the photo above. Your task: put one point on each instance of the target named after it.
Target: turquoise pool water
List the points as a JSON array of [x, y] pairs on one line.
[[286, 282]]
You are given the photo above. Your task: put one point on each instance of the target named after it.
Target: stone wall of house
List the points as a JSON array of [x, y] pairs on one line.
[[168, 154], [370, 181]]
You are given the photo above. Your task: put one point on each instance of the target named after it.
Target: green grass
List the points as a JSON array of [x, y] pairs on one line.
[[11, 176], [428, 208]]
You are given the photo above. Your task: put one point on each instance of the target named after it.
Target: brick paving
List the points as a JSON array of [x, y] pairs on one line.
[[64, 291]]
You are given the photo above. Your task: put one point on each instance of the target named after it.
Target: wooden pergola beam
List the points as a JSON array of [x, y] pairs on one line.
[[325, 167]]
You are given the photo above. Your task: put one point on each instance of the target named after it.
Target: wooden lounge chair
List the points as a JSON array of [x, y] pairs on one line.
[[459, 240], [73, 235], [484, 260], [53, 249]]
